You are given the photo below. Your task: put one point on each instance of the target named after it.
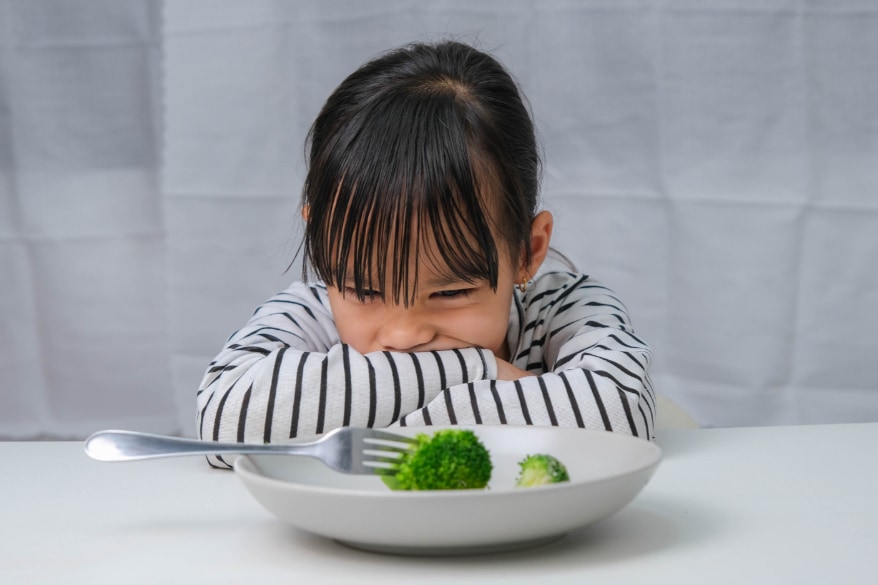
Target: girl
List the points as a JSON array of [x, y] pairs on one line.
[[433, 306]]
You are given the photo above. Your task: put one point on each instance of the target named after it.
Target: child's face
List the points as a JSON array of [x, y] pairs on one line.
[[445, 314]]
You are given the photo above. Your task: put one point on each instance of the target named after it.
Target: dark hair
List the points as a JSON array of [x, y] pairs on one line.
[[426, 140]]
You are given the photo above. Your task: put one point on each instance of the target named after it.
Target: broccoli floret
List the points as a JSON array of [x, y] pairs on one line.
[[540, 469], [452, 459]]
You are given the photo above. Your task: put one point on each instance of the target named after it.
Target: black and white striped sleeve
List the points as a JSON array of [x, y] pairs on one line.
[[286, 375], [592, 369]]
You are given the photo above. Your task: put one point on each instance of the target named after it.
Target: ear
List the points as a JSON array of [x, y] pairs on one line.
[[540, 239], [306, 211]]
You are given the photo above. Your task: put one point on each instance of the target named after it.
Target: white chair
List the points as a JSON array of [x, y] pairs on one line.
[[671, 415]]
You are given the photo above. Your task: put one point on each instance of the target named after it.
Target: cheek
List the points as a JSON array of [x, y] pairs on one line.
[[359, 332], [350, 322], [485, 326]]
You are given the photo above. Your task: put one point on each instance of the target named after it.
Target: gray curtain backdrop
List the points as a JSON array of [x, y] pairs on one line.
[[716, 163]]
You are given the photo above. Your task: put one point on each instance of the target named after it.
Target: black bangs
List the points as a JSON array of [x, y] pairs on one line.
[[402, 183]]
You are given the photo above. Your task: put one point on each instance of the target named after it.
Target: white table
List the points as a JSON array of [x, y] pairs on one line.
[[747, 505]]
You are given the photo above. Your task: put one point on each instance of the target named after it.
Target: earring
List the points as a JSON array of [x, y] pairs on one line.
[[522, 286]]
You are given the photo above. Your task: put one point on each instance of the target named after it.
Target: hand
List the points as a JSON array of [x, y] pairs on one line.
[[506, 371]]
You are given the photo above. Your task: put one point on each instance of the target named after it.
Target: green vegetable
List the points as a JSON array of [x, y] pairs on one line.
[[450, 459], [540, 469]]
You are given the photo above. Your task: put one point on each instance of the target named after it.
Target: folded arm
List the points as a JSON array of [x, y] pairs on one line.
[[285, 374], [589, 370]]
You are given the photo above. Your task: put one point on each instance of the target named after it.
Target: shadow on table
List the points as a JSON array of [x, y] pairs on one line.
[[651, 525]]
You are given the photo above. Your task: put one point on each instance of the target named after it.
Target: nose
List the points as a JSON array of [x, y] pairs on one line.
[[405, 329]]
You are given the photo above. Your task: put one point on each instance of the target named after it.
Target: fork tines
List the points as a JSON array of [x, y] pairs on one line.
[[386, 451]]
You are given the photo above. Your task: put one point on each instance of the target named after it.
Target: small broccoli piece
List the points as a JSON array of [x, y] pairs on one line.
[[540, 469], [452, 459]]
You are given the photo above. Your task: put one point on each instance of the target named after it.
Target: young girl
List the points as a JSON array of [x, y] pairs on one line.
[[431, 307]]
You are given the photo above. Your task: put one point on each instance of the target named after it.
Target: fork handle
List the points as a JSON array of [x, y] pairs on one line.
[[131, 445]]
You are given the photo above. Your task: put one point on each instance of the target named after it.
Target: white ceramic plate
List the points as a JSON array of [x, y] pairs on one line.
[[607, 471]]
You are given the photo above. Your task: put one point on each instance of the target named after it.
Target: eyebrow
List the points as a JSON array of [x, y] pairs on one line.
[[450, 280], [436, 282], [350, 281]]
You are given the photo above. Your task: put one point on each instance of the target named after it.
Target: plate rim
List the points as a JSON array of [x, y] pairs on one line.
[[654, 459]]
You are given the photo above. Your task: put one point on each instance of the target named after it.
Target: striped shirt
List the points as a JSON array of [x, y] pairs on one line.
[[286, 374]]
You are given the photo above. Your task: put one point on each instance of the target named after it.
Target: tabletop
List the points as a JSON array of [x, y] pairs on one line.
[[786, 504]]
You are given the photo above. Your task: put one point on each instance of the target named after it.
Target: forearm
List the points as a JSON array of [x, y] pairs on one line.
[[574, 398], [602, 384], [288, 393]]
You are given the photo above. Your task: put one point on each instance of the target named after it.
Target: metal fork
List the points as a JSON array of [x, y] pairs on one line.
[[346, 449]]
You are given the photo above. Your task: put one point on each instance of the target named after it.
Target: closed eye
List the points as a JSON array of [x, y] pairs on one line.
[[369, 295], [452, 294]]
